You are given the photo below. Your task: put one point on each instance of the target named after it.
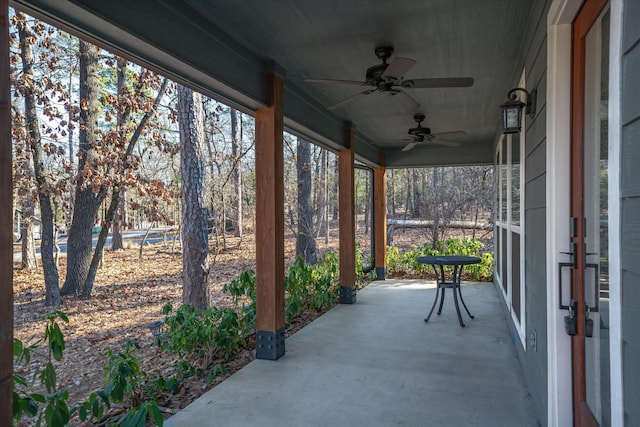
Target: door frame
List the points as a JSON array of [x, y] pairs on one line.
[[559, 47], [582, 25]]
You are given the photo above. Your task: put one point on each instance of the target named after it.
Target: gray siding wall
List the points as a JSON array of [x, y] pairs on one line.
[[630, 211], [534, 62]]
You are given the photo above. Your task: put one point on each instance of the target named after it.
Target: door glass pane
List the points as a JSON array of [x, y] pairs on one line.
[[515, 274], [503, 180], [503, 272], [596, 134], [515, 179]]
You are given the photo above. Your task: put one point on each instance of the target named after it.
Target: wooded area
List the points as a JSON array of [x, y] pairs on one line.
[[102, 146]]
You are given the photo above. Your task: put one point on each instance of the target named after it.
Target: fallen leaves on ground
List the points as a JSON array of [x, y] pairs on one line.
[[128, 295]]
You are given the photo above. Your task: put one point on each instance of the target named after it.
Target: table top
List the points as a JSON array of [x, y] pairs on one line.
[[448, 260]]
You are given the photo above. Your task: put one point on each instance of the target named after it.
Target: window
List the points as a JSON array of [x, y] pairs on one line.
[[509, 225]]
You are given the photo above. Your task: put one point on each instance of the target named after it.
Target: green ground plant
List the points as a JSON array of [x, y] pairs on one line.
[[55, 411], [126, 384], [199, 338], [404, 263]]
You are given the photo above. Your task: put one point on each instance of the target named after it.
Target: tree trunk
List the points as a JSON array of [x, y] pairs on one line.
[[367, 203], [334, 191], [392, 192], [87, 202], [321, 202], [305, 238], [116, 232], [195, 250], [236, 150], [52, 290], [437, 203], [416, 194], [118, 192], [408, 200], [26, 226]]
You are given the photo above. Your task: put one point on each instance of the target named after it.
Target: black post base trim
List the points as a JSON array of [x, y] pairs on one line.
[[381, 273], [347, 295], [269, 344]]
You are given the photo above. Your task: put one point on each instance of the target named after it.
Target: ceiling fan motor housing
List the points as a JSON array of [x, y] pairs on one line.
[[374, 74], [419, 130]]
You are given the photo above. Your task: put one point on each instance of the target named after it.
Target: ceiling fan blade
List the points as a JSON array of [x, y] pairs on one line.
[[350, 99], [398, 67], [445, 142], [333, 81], [437, 82], [452, 134], [409, 146], [405, 99]]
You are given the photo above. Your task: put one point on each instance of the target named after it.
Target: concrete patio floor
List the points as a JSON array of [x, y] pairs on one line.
[[376, 363]]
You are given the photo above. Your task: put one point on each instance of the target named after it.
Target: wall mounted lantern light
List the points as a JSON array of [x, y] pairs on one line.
[[512, 110]]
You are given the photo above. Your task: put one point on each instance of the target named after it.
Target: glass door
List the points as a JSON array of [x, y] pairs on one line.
[[589, 211]]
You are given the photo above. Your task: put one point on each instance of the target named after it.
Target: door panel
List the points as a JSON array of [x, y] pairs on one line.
[[589, 279]]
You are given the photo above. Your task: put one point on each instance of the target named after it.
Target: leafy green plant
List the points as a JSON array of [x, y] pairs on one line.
[[243, 294], [56, 412], [311, 286], [296, 284], [199, 336], [137, 417], [125, 383], [325, 288], [401, 263]]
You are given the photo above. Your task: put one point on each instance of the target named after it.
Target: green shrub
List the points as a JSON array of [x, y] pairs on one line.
[[403, 263], [127, 384], [199, 336], [55, 412]]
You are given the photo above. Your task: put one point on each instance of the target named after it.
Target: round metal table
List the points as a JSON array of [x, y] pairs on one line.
[[457, 262]]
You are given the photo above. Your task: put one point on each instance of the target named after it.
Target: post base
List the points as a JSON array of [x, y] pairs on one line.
[[347, 295], [269, 344]]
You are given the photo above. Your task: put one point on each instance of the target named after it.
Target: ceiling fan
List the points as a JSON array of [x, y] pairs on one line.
[[420, 134], [389, 78]]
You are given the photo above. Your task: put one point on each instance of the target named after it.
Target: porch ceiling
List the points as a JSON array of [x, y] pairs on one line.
[[220, 47]]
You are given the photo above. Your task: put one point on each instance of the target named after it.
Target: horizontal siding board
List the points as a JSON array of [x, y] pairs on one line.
[[537, 68], [630, 160], [630, 24], [631, 346], [630, 211], [631, 369], [631, 85], [536, 302], [536, 132], [536, 35], [535, 193], [536, 163], [630, 238]]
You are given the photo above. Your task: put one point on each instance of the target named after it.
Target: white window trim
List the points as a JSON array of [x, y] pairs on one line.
[[505, 225], [615, 289]]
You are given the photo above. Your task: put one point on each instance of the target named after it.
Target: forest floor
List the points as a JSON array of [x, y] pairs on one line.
[[129, 293]]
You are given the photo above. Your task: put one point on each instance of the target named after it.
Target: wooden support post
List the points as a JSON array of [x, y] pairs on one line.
[[6, 225], [347, 234], [380, 222], [270, 224]]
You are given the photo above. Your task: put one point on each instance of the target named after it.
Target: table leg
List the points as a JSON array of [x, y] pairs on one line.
[[456, 284], [460, 293], [435, 300], [441, 285]]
